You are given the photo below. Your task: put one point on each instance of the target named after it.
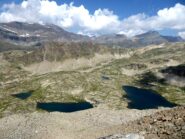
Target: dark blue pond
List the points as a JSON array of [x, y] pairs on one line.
[[64, 107], [23, 95], [144, 98], [105, 78]]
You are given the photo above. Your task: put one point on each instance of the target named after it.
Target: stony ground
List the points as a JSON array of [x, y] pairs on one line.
[[97, 123], [167, 124], [88, 124]]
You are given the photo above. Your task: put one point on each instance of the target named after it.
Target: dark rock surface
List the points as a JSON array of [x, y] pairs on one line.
[[168, 124]]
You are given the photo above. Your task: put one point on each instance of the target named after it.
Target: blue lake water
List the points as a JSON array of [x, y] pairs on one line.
[[144, 98], [23, 95], [64, 107]]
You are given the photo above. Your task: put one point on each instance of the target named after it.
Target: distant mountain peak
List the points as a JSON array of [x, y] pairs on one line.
[[24, 33], [152, 32], [149, 33]]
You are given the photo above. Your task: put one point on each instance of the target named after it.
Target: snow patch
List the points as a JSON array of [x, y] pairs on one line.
[[25, 35], [38, 35], [8, 29]]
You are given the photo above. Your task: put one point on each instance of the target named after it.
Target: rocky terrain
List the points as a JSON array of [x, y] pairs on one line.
[[89, 75], [89, 124], [96, 123], [96, 75], [167, 124]]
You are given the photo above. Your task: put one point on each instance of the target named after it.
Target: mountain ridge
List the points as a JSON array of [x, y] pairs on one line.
[[27, 34], [33, 34]]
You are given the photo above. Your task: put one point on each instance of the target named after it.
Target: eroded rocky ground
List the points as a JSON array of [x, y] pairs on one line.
[[88, 124], [97, 123], [166, 124]]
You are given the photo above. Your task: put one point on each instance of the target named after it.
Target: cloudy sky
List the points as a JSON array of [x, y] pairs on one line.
[[95, 17]]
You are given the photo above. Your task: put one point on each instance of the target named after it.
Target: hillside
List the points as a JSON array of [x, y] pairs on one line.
[[31, 34], [90, 73]]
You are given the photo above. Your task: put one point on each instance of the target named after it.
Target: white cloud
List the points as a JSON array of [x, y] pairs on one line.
[[182, 34], [78, 19], [67, 16], [168, 18], [173, 17]]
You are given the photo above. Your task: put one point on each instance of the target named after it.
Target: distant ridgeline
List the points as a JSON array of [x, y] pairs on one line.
[[29, 36]]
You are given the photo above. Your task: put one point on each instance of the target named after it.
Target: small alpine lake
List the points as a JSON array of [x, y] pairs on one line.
[[23, 95], [64, 107], [144, 98]]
